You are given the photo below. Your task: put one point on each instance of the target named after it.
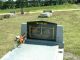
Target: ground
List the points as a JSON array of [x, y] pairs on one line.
[[70, 20]]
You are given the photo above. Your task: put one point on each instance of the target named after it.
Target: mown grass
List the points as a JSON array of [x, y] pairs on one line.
[[55, 7], [70, 20]]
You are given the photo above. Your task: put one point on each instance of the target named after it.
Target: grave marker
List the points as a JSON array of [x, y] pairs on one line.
[[44, 42]]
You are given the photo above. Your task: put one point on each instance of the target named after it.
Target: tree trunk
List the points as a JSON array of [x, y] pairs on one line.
[[21, 4]]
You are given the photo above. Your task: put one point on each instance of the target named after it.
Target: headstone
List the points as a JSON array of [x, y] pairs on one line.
[[41, 30], [46, 13], [59, 36], [12, 12], [24, 28], [42, 43], [6, 15]]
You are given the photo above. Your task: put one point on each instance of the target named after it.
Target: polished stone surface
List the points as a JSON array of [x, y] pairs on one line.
[[34, 52]]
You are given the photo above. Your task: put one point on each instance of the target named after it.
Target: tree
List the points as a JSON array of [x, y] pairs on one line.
[[50, 2], [26, 3], [1, 4], [18, 3], [22, 5], [9, 2]]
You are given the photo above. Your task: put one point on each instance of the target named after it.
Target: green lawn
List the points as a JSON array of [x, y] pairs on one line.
[[55, 7], [70, 20]]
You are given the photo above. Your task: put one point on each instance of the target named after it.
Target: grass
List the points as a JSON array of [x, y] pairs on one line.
[[70, 20], [9, 28], [55, 7]]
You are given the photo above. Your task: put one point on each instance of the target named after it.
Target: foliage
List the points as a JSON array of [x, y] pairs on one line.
[[25, 3]]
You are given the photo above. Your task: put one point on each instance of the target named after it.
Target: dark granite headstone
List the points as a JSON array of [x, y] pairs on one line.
[[41, 30]]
